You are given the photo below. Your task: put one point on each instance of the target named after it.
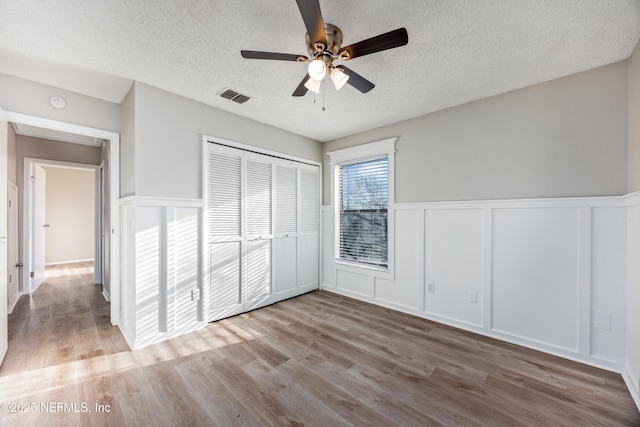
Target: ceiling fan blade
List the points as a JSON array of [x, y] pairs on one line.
[[301, 90], [395, 38], [253, 54], [312, 17], [356, 80]]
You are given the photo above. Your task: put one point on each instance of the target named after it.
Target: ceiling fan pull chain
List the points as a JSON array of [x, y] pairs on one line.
[[323, 94]]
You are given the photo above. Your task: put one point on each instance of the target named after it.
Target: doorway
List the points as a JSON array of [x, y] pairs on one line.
[[111, 145], [65, 210], [60, 226]]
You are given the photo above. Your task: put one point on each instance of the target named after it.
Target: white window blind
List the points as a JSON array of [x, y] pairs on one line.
[[364, 198], [225, 195], [286, 199], [258, 200], [309, 200]]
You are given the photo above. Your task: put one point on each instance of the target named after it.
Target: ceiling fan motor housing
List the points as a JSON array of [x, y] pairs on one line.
[[334, 42]]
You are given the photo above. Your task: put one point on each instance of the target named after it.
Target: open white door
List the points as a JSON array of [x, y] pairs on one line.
[[12, 248], [39, 225], [98, 274]]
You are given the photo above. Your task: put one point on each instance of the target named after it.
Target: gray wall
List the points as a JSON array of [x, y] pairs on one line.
[[634, 120], [127, 144], [168, 141], [28, 97], [566, 137]]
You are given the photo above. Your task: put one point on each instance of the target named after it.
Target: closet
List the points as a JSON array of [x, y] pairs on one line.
[[262, 223]]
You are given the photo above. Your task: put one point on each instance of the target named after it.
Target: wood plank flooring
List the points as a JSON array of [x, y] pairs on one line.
[[317, 360]]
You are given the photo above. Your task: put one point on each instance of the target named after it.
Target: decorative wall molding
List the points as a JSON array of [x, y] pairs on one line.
[[557, 202], [162, 268], [160, 201], [632, 199], [533, 272]]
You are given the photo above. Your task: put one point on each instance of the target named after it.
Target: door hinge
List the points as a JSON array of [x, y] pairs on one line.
[[10, 277], [9, 203], [33, 179], [31, 274]]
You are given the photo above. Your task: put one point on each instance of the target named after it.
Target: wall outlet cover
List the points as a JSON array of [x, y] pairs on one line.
[[602, 320], [473, 296]]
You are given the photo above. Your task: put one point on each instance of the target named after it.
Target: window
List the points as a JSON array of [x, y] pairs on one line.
[[364, 199]]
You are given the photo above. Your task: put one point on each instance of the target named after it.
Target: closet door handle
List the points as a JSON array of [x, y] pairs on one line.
[[46, 226]]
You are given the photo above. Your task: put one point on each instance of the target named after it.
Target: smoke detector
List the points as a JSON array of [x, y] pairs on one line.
[[57, 102]]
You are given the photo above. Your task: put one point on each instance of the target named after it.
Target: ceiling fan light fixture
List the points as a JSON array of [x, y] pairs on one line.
[[338, 78], [313, 85], [317, 70]]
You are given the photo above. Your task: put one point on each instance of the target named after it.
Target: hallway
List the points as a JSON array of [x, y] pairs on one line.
[[60, 337], [66, 319]]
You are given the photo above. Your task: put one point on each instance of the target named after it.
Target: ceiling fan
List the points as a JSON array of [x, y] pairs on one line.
[[324, 43]]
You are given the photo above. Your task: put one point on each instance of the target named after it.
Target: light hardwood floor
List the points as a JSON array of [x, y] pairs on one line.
[[318, 360]]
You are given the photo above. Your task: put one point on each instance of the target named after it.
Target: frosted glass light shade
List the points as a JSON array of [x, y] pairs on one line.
[[313, 85], [338, 78], [317, 70]]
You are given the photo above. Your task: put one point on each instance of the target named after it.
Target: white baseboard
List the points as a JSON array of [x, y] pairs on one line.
[[13, 302], [48, 264], [126, 336], [105, 294], [635, 393]]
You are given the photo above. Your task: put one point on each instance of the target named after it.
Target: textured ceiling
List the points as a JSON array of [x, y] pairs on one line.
[[458, 51]]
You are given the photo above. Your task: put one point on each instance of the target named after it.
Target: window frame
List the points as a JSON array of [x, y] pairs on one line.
[[359, 154]]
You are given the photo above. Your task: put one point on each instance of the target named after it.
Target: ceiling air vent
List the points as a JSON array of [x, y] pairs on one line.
[[234, 96]]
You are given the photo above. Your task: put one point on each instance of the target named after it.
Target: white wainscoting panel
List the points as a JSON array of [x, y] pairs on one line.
[[608, 283], [402, 292], [548, 274], [147, 272], [127, 271], [536, 275], [183, 249], [328, 248], [161, 269], [454, 264], [355, 284]]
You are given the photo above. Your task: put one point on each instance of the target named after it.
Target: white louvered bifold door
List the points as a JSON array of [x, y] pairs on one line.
[[258, 232], [308, 242], [286, 201], [224, 220], [262, 222]]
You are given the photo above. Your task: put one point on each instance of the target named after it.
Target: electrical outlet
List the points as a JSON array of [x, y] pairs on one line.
[[432, 288], [602, 321], [473, 296]]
